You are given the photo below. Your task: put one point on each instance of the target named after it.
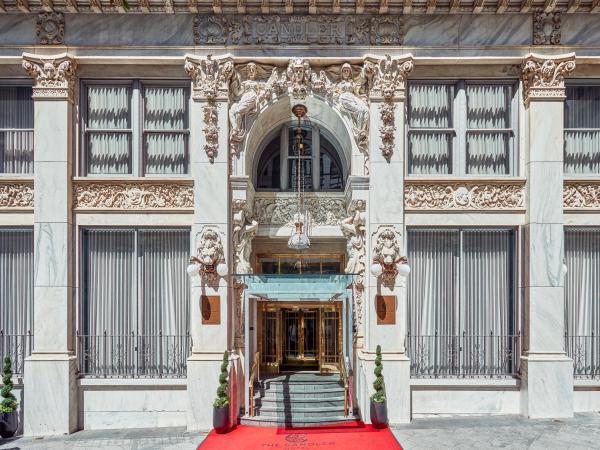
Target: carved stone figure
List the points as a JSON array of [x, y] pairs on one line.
[[244, 230], [353, 228], [387, 252], [209, 253], [297, 78], [252, 93]]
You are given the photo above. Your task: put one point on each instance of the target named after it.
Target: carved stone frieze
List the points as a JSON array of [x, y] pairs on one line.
[[50, 28], [281, 210], [330, 29], [581, 195], [546, 28], [481, 195], [132, 196], [544, 77], [54, 77], [16, 195]]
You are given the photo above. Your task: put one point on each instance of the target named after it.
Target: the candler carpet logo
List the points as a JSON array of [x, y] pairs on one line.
[[302, 440]]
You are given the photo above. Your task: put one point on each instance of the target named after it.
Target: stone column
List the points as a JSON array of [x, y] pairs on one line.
[[546, 371], [50, 372], [385, 234], [209, 159]]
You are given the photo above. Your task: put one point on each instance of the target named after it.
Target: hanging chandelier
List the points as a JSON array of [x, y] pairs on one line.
[[299, 239]]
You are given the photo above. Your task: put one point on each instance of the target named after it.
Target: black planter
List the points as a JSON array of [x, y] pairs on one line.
[[221, 422], [9, 423], [379, 417]]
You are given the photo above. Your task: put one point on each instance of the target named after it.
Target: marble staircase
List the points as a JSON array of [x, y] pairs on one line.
[[298, 399]]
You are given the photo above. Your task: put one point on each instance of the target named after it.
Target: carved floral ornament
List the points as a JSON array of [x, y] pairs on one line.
[[16, 195], [133, 196], [464, 196], [544, 77], [54, 77], [581, 195]]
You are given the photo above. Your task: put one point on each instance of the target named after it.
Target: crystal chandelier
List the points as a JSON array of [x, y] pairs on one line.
[[299, 239]]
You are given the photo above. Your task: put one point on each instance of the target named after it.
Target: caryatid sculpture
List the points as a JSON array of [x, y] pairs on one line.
[[244, 230]]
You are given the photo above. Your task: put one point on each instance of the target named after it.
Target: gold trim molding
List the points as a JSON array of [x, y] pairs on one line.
[[581, 195], [16, 194], [468, 195], [138, 195]]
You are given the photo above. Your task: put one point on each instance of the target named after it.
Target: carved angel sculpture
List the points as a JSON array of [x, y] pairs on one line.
[[252, 93], [351, 104]]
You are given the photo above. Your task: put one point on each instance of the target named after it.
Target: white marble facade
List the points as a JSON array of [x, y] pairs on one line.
[[219, 194]]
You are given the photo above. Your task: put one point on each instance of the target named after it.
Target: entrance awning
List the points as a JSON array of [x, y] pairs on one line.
[[297, 287]]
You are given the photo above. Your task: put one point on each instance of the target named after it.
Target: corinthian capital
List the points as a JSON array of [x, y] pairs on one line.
[[544, 76], [210, 76], [388, 76], [54, 76]]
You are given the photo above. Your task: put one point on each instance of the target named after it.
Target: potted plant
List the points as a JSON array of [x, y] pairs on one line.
[[378, 403], [9, 419], [221, 422]]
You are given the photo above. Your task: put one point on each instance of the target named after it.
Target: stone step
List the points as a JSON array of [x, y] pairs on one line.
[[300, 391], [295, 412], [299, 403], [263, 421]]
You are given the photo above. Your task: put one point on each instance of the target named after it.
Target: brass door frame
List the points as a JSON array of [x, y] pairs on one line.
[[324, 364]]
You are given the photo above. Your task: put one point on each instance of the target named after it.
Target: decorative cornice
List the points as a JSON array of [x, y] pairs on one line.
[[322, 210], [582, 195], [464, 195], [546, 28], [54, 76], [91, 195], [50, 28], [544, 76], [16, 194]]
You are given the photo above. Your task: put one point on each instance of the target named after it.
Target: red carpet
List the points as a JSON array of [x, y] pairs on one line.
[[347, 436]]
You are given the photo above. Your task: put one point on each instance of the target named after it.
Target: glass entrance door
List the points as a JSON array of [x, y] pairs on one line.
[[300, 338]]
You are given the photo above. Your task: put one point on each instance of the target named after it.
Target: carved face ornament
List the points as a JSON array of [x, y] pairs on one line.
[[210, 249], [346, 72]]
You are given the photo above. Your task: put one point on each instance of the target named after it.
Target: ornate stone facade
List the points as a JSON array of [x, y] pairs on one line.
[[581, 195], [16, 195], [546, 28], [544, 77], [133, 196], [50, 28], [53, 77], [238, 29], [482, 195], [322, 210]]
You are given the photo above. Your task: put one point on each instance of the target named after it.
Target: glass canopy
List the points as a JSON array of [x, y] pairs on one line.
[[297, 287]]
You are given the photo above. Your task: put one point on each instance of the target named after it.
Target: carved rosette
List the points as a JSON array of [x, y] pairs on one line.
[[544, 77], [133, 196], [281, 210], [210, 84], [54, 77], [581, 195], [481, 195], [50, 28], [546, 28], [16, 194]]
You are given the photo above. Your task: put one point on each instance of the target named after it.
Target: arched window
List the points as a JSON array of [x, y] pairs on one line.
[[321, 168]]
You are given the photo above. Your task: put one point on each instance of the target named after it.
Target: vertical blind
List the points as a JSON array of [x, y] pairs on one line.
[[461, 289], [109, 129], [16, 281], [430, 121], [462, 128], [114, 128], [165, 122], [582, 130], [16, 129]]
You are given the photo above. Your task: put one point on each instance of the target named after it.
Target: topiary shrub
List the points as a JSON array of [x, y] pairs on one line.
[[379, 383], [223, 389], [9, 404]]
